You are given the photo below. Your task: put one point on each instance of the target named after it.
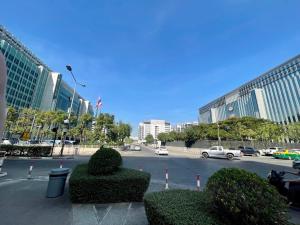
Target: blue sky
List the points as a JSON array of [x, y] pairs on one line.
[[159, 59]]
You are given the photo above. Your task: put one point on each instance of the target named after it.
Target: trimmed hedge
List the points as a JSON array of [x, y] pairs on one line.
[[179, 207], [105, 161], [125, 185], [245, 198], [34, 151]]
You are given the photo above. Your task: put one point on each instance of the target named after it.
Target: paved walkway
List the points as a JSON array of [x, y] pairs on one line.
[[109, 214]]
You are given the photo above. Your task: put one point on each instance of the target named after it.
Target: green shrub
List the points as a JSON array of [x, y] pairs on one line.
[[33, 151], [104, 161], [178, 207], [244, 198], [125, 185]]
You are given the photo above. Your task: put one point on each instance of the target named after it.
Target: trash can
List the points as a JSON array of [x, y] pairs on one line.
[[57, 180]]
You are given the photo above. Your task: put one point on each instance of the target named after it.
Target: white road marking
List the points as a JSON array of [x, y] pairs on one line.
[[129, 207], [109, 208]]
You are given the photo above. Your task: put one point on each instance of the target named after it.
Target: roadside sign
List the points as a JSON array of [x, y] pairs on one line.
[[25, 136]]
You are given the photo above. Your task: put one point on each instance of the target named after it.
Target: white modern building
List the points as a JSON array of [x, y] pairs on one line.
[[153, 127], [182, 126]]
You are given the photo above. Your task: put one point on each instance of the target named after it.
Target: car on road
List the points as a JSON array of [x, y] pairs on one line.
[[220, 152], [272, 150], [288, 154], [249, 151], [125, 148], [135, 148], [162, 151], [6, 142]]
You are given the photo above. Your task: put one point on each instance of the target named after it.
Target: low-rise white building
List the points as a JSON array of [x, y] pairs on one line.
[[153, 127]]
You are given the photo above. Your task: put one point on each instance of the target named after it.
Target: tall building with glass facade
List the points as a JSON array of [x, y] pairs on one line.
[[274, 95], [27, 75], [80, 105], [31, 83]]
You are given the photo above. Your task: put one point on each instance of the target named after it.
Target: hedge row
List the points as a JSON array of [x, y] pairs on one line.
[[125, 185], [33, 151], [178, 207], [232, 197], [245, 198]]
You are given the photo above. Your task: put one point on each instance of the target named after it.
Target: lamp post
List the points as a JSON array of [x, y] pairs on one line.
[[67, 122], [69, 68]]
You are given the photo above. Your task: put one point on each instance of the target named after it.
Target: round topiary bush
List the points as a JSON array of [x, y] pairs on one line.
[[241, 197], [105, 161]]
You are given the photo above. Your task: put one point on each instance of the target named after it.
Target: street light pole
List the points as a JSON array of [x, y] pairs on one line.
[[71, 107], [69, 68]]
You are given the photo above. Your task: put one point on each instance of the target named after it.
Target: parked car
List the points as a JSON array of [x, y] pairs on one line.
[[249, 151], [6, 142], [287, 154], [272, 150], [69, 142], [125, 148], [162, 151], [220, 152], [34, 142], [135, 148]]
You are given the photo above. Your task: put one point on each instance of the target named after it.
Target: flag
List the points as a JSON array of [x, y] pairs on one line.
[[99, 103]]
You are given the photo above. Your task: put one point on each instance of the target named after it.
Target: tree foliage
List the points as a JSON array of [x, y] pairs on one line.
[[149, 139], [85, 128], [236, 129]]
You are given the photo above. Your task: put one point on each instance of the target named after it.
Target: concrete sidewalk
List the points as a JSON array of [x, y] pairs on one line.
[[24, 202]]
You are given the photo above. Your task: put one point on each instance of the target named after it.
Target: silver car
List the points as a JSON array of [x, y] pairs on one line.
[[220, 152]]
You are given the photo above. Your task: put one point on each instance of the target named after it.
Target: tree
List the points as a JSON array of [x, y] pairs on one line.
[[104, 125], [149, 139], [124, 130], [293, 132], [85, 122], [269, 131], [25, 121], [190, 136], [11, 119], [163, 137], [128, 141]]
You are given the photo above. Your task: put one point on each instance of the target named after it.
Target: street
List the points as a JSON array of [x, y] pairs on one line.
[[26, 198]]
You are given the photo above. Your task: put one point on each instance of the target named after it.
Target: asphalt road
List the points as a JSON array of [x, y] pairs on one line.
[[23, 201], [183, 170]]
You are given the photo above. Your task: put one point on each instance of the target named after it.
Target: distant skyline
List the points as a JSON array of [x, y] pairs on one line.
[[159, 59]]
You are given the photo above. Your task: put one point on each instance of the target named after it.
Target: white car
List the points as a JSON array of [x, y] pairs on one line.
[[162, 151], [6, 142], [137, 148], [271, 151]]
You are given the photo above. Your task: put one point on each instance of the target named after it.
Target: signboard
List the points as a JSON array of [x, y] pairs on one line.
[[25, 136]]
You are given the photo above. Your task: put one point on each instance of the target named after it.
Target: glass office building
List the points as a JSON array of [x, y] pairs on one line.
[[31, 83], [65, 95], [274, 95], [27, 75]]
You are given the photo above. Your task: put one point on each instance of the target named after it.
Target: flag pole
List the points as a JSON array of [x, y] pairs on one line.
[[96, 111]]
